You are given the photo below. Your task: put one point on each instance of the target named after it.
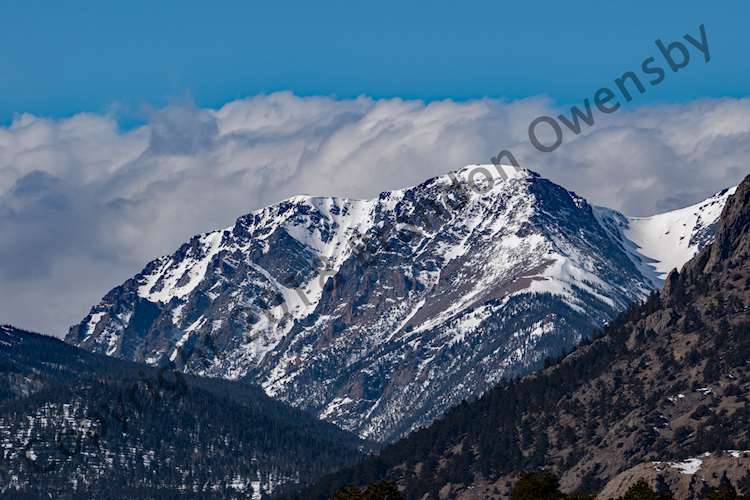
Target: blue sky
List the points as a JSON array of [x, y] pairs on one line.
[[60, 58], [174, 120]]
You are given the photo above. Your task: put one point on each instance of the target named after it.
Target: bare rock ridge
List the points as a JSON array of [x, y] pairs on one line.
[[732, 243], [379, 315]]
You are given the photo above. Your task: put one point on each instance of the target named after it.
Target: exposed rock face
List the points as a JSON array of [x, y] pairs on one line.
[[378, 315], [731, 246]]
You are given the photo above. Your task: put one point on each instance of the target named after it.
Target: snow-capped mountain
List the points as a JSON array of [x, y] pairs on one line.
[[378, 315]]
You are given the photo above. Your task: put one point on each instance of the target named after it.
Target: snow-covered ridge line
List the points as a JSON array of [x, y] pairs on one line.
[[665, 241], [178, 278], [673, 238]]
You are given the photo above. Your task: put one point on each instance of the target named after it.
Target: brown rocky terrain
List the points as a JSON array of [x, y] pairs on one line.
[[687, 479]]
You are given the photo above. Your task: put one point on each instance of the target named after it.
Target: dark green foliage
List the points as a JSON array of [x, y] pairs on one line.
[[381, 490], [348, 493], [712, 371], [724, 493], [642, 491], [580, 495], [744, 484], [700, 412], [537, 486], [193, 431], [543, 486], [693, 357], [682, 433]]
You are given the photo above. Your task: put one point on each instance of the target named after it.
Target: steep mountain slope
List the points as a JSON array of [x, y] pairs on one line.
[[80, 425], [666, 381], [666, 241], [378, 315]]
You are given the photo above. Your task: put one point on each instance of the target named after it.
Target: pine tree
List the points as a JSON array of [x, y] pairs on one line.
[[642, 491], [537, 486]]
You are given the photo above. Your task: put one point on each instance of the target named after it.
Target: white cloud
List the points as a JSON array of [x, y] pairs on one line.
[[84, 205]]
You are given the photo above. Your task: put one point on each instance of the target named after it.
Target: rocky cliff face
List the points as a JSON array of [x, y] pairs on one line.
[[378, 315]]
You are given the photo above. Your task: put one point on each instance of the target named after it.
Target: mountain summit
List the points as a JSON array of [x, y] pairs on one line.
[[379, 315]]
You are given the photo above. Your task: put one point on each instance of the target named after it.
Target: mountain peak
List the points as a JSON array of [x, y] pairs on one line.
[[380, 314]]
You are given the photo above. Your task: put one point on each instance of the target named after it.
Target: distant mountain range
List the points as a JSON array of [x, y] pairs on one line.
[[380, 315], [662, 394], [79, 425]]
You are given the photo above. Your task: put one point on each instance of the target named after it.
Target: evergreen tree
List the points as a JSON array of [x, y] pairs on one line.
[[642, 491], [537, 486], [380, 490], [725, 491]]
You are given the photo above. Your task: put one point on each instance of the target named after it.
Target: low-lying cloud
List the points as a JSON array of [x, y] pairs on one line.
[[84, 205]]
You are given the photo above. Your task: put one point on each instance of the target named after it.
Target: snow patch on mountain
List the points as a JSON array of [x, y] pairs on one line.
[[673, 238], [665, 241], [179, 277]]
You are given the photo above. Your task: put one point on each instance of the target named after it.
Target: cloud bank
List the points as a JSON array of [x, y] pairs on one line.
[[84, 205]]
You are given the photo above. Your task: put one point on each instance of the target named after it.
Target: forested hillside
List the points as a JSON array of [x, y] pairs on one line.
[[80, 425]]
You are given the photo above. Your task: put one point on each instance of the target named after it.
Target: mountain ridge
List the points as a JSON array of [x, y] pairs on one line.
[[378, 315]]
